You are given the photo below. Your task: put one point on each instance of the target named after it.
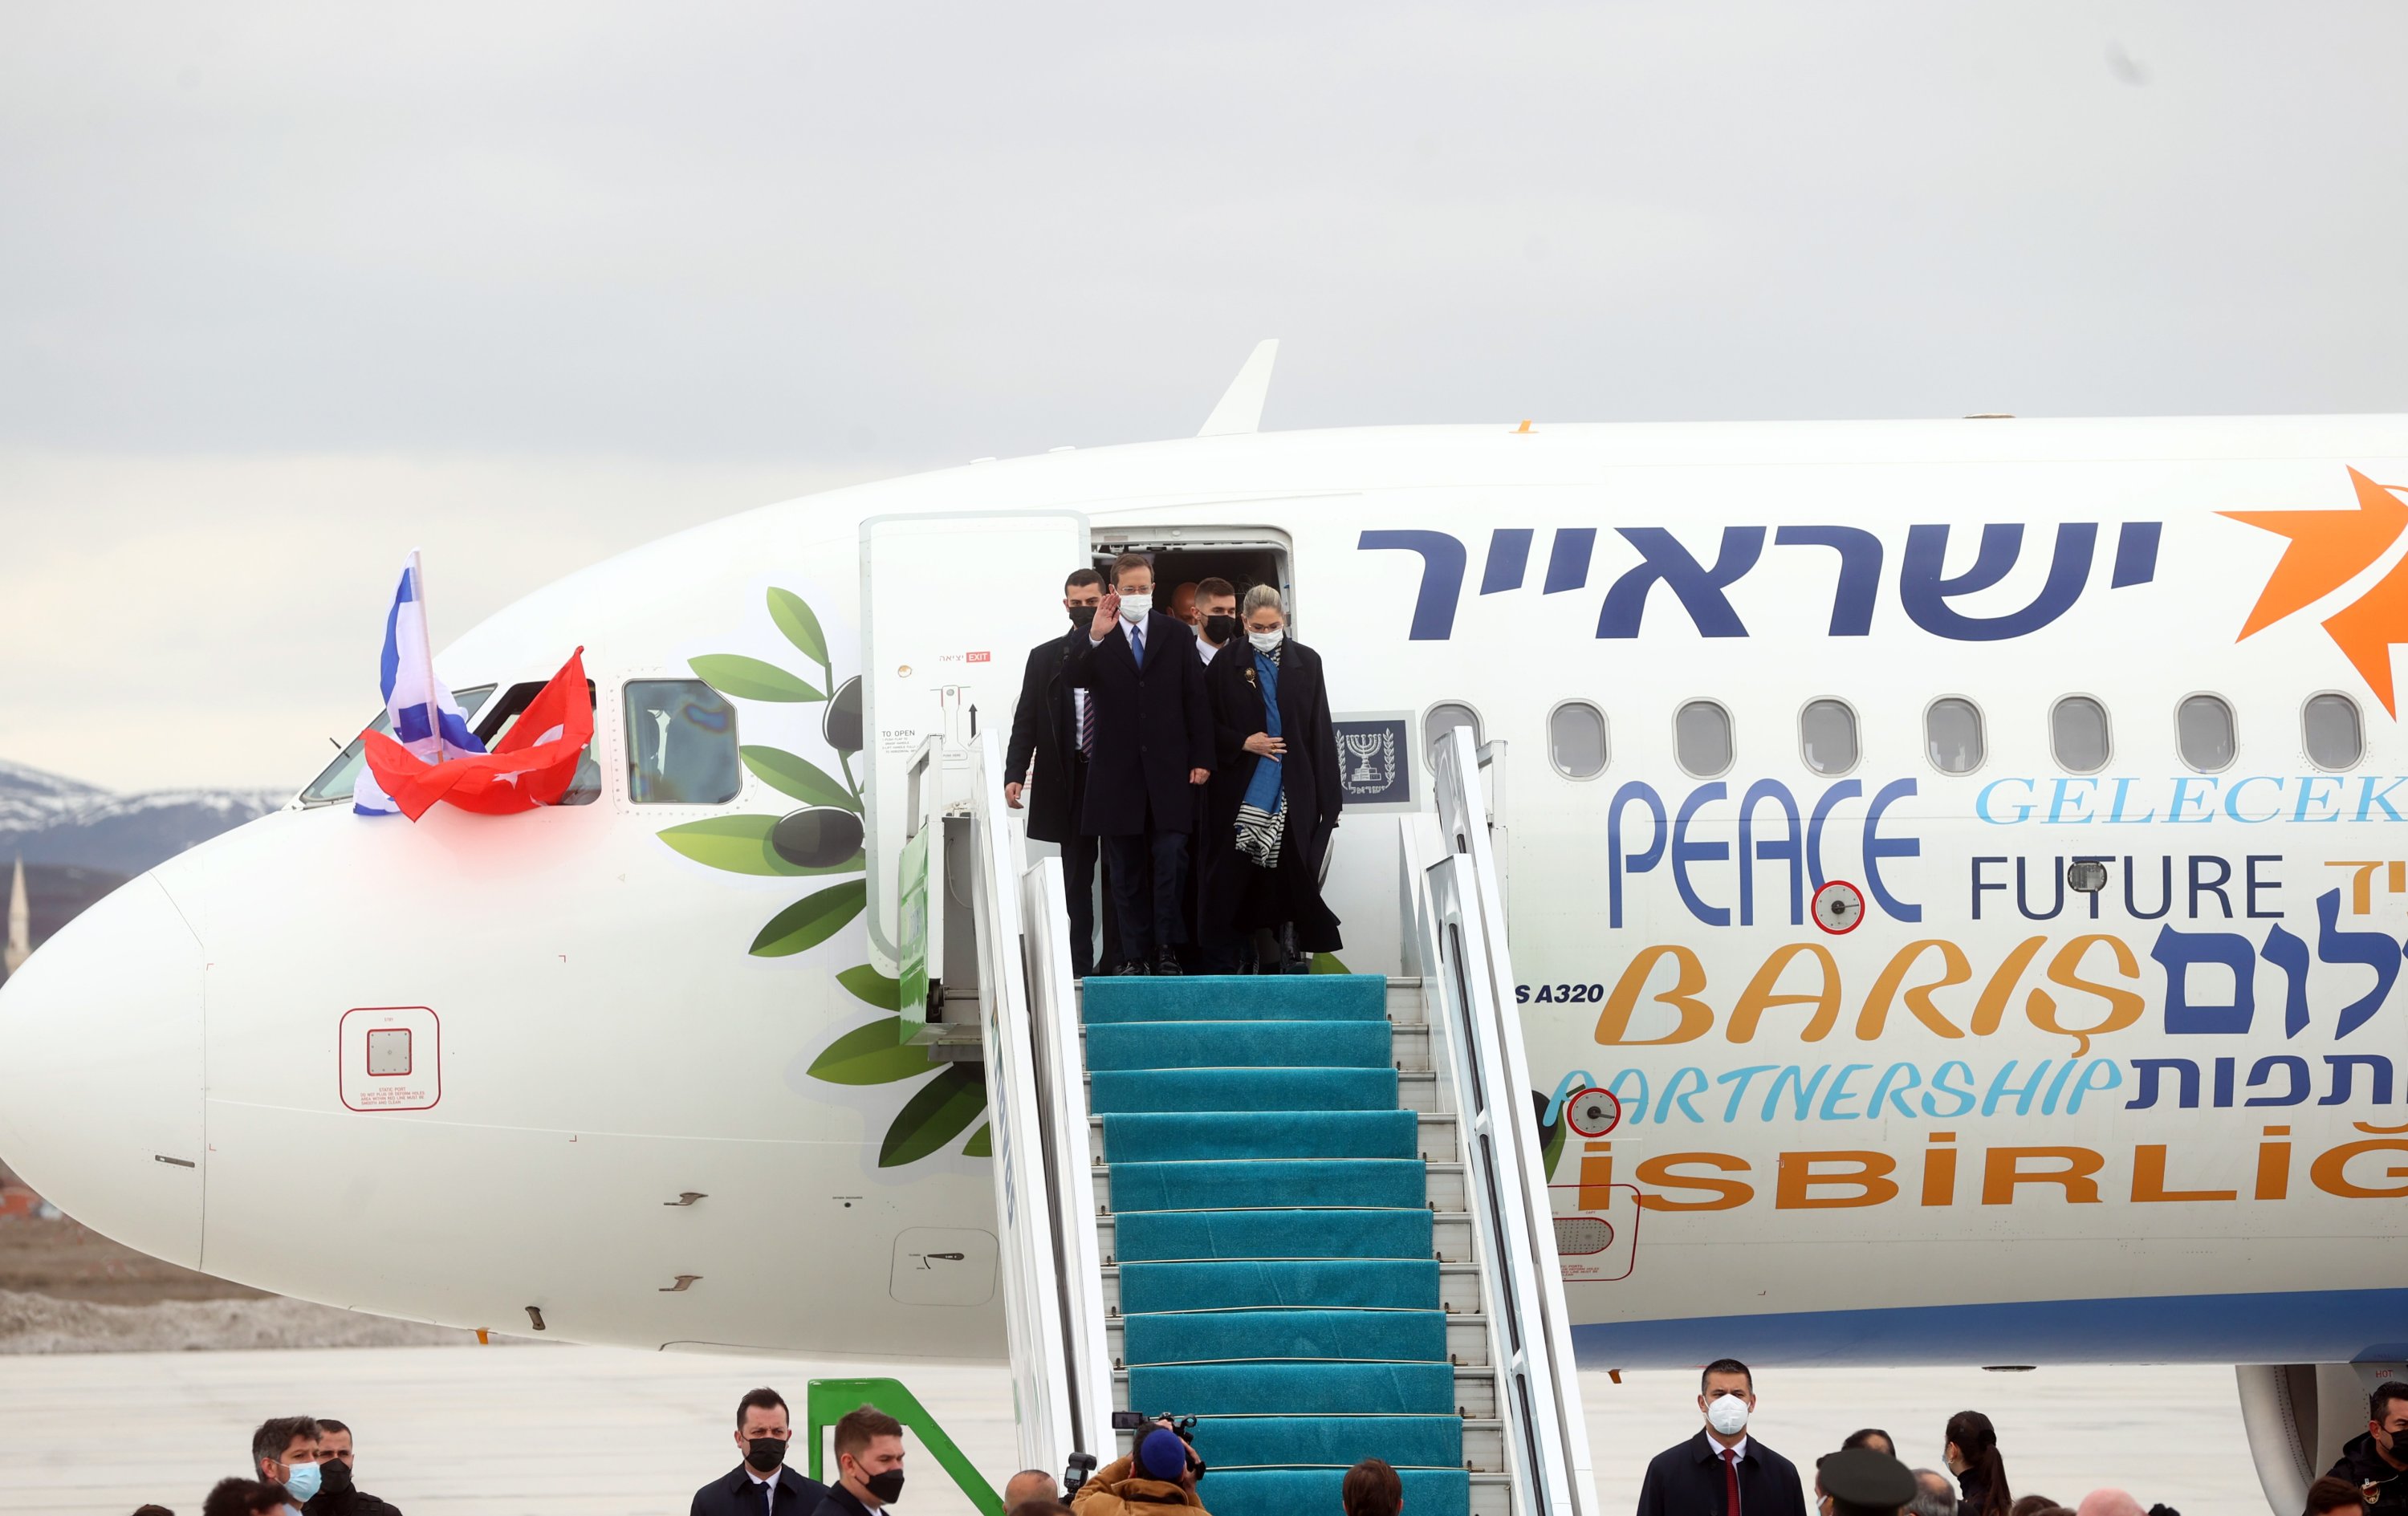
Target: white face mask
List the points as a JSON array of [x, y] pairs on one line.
[[1728, 1415], [1265, 641], [1134, 606]]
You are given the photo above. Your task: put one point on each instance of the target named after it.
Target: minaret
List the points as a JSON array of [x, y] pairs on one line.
[[21, 925]]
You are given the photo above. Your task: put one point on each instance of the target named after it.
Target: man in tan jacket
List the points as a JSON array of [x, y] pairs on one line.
[[1161, 1472]]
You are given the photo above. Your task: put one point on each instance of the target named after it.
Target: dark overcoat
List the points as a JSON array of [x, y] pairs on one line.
[[1235, 893], [1689, 1478], [1044, 734], [731, 1494], [1152, 728]]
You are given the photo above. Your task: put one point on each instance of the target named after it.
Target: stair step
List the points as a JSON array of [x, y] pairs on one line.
[[1290, 1389], [1481, 1447], [1228, 1337], [1281, 1184], [1252, 1043], [1142, 1136], [1106, 999], [1428, 1492], [1181, 1236], [1251, 1089], [1455, 1284]]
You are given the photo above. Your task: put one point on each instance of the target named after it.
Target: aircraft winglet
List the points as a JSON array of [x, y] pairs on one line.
[[1241, 405]]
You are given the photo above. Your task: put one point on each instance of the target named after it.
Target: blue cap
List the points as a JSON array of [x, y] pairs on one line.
[[1161, 1455]]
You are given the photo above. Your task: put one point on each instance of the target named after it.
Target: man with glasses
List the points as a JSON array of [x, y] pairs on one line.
[[761, 1485]]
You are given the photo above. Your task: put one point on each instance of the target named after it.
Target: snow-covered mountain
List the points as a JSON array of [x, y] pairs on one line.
[[49, 819]]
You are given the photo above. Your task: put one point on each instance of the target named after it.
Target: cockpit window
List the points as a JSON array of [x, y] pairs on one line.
[[341, 775], [682, 744], [586, 787]]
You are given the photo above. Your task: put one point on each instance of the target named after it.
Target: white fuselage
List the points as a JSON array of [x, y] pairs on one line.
[[1997, 1120]]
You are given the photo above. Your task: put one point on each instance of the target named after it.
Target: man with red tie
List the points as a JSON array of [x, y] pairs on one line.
[[1722, 1471]]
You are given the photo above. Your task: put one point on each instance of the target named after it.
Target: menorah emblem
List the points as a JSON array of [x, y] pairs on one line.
[[1367, 746]]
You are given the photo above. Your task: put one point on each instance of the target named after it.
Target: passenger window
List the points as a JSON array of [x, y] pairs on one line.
[[1701, 738], [2330, 722], [1446, 717], [1827, 734], [1576, 739], [2077, 733], [343, 774], [1952, 734], [2203, 731], [681, 747]]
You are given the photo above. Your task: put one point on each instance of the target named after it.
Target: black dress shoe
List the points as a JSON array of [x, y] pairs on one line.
[[1132, 967], [1167, 962]]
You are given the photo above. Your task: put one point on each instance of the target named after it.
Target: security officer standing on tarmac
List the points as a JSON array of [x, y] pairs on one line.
[[1152, 747], [1048, 754]]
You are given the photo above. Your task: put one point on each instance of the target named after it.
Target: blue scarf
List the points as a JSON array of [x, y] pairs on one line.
[[1262, 814]]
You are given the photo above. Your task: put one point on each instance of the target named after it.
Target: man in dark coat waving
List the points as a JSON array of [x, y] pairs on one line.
[[1043, 765], [1722, 1471], [1151, 746]]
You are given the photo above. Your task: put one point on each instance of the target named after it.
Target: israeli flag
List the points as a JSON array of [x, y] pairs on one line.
[[422, 714]]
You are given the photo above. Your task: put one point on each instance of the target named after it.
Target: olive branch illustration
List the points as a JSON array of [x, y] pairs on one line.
[[823, 839]]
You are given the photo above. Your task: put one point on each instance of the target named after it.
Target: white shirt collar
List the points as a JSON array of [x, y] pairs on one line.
[[1205, 649], [1740, 1447]]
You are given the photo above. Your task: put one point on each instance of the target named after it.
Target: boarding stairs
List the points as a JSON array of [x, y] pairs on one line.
[[1308, 1211]]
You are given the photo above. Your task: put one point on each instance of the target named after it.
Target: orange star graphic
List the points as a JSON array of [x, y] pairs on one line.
[[2365, 630], [2328, 547]]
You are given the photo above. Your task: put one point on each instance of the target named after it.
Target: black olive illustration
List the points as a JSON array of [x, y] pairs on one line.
[[841, 725], [821, 837]]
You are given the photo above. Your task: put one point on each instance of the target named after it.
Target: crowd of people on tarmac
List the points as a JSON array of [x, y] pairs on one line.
[[303, 1465], [1723, 1469], [1191, 749]]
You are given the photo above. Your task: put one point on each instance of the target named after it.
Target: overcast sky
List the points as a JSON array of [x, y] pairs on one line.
[[285, 290]]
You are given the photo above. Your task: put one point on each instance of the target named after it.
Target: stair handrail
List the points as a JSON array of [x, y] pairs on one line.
[[1043, 1190], [1466, 930]]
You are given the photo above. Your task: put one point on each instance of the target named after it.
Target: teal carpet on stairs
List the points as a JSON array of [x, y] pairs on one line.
[[1155, 1137], [1273, 1237]]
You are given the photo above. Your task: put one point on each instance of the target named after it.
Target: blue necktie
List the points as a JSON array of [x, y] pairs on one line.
[[1137, 642]]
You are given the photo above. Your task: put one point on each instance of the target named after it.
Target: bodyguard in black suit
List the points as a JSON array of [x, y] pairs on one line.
[[1722, 1470], [1152, 747], [1043, 763], [763, 1436]]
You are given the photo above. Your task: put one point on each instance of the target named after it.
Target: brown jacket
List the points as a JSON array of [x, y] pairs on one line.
[[1115, 1490]]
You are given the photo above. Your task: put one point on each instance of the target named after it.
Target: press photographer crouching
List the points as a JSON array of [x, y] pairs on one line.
[[1161, 1470]]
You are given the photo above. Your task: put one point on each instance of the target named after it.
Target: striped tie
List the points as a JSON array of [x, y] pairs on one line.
[[1086, 725]]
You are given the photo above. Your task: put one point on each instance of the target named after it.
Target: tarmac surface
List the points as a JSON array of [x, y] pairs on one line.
[[550, 1430]]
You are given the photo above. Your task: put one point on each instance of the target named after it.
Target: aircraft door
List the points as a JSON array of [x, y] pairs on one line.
[[950, 604]]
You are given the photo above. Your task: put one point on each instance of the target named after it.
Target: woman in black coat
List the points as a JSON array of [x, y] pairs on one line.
[[1274, 797]]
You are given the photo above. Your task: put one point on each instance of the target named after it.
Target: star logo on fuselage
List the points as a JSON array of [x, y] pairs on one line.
[[2327, 548]]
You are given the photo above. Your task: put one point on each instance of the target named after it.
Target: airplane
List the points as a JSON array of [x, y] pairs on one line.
[[1955, 871]]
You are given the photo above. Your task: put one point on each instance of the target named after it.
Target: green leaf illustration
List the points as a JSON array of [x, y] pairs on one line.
[[798, 777], [866, 983], [801, 628], [871, 1054], [811, 921], [741, 845], [1329, 962], [982, 1143], [1552, 1150], [941, 1110], [750, 678]]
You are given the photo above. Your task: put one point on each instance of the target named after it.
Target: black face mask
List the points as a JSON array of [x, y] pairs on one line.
[[887, 1487], [764, 1453], [1082, 615], [333, 1478], [1220, 629]]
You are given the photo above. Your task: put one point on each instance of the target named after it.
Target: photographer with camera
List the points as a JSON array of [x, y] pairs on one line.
[[1161, 1470]]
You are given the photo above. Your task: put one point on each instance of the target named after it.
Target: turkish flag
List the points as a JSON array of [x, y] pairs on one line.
[[532, 765]]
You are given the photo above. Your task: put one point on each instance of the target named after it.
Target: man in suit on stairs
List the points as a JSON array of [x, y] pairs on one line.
[[1150, 749], [1044, 765], [761, 1485], [1722, 1471]]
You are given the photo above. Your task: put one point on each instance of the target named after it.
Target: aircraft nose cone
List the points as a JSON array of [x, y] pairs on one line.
[[100, 1072]]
